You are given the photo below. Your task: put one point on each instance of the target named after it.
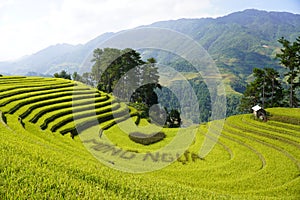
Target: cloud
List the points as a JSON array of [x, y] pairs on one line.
[[4, 3], [83, 19], [27, 26]]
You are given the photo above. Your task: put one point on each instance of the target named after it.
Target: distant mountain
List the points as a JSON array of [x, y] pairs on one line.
[[53, 59], [240, 41], [237, 42]]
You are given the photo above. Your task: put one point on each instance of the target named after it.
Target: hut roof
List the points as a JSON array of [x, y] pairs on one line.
[[256, 108]]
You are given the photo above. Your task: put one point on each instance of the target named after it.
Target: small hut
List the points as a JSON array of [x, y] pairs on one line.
[[259, 113]]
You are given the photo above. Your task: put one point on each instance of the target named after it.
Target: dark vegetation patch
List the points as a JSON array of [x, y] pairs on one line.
[[147, 139], [286, 119]]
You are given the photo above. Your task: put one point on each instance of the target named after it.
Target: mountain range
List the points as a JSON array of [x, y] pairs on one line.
[[237, 42]]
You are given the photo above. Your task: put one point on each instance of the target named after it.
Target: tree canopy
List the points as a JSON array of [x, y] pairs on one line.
[[125, 69], [265, 90], [290, 59], [63, 74], [111, 64]]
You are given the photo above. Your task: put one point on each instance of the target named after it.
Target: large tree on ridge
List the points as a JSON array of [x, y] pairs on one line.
[[290, 59]]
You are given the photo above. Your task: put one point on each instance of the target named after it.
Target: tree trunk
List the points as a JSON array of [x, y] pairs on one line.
[[291, 95], [263, 93], [291, 91], [273, 88]]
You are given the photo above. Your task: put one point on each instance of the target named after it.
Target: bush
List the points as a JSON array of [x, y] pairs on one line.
[[146, 139], [63, 74], [142, 109]]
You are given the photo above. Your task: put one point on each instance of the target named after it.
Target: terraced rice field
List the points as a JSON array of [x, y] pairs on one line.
[[39, 159]]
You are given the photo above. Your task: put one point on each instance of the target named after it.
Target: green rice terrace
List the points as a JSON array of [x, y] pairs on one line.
[[47, 124]]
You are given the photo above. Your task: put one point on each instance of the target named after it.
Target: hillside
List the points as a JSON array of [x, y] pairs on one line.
[[237, 42], [240, 41], [53, 59], [39, 159]]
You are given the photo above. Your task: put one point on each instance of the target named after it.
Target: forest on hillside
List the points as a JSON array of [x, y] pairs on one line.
[[139, 79]]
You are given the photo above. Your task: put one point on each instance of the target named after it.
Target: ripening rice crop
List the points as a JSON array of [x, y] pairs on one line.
[[39, 159]]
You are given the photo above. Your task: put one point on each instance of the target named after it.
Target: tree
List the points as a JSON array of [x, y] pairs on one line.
[[249, 99], [107, 68], [124, 73], [232, 104], [62, 74], [149, 81], [126, 69], [274, 91], [87, 79], [130, 74], [290, 59], [111, 64], [265, 90], [76, 76], [96, 69]]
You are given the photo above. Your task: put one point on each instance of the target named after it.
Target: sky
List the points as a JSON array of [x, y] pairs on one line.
[[27, 26]]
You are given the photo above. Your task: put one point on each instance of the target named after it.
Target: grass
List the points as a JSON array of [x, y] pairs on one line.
[[290, 115], [251, 159]]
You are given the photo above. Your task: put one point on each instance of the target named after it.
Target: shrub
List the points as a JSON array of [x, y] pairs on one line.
[[146, 139], [141, 108], [63, 74]]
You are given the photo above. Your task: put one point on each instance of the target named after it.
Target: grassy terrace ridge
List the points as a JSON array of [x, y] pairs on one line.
[[251, 159]]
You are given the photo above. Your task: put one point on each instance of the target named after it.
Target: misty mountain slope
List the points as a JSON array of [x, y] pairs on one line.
[[240, 41], [53, 59]]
